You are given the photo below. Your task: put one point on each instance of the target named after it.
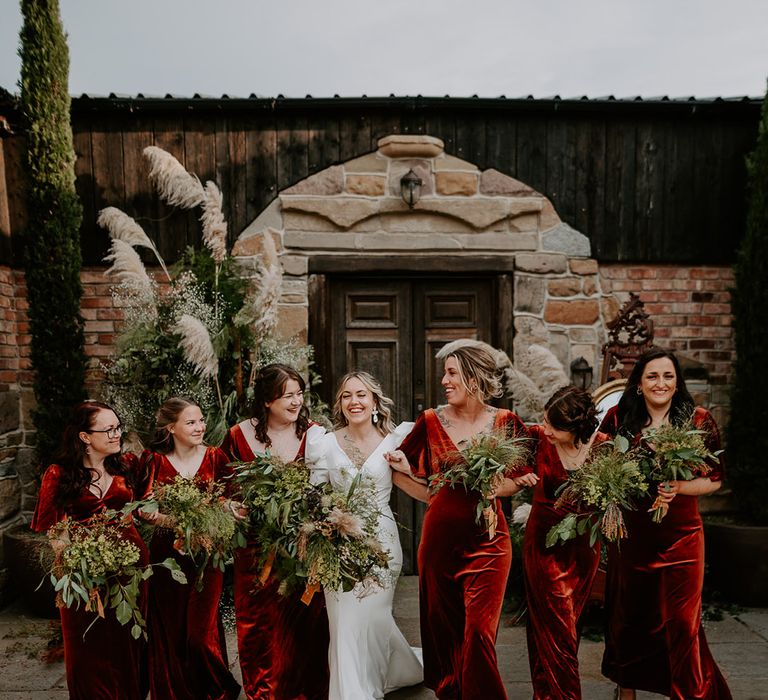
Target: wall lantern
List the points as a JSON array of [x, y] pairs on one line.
[[410, 188], [581, 373]]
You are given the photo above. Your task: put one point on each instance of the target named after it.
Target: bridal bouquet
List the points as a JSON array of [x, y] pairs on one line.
[[205, 531], [674, 453], [274, 494], [481, 466], [337, 545], [95, 565], [609, 481]]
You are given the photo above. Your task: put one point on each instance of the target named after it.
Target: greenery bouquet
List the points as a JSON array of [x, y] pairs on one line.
[[205, 530], [96, 566], [337, 545], [480, 467], [609, 481], [674, 453], [274, 494]]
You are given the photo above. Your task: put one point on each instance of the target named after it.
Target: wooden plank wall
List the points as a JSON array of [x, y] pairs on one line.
[[646, 182]]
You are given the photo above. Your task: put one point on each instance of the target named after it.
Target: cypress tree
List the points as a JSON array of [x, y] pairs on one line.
[[52, 238], [748, 430]]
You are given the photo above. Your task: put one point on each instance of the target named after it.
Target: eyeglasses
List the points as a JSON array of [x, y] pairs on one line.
[[110, 432]]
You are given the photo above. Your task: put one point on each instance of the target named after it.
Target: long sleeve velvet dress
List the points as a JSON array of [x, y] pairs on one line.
[[558, 581], [462, 574], [654, 639], [283, 643], [188, 655], [106, 664]]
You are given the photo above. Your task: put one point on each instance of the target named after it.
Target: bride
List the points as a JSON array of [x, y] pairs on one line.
[[368, 655]]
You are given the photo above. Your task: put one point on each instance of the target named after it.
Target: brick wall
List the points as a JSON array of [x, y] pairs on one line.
[[691, 313]]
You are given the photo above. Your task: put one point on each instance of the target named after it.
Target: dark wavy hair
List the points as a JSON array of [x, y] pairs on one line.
[[70, 456], [632, 413], [270, 385], [573, 410], [167, 415]]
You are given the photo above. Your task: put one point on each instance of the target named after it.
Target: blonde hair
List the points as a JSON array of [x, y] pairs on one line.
[[385, 423], [476, 363]]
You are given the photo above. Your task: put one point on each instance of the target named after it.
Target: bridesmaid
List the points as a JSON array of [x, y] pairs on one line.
[[462, 574], [654, 639], [88, 477], [558, 579], [188, 656], [283, 643]]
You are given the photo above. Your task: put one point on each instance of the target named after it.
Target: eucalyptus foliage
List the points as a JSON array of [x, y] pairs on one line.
[[52, 237]]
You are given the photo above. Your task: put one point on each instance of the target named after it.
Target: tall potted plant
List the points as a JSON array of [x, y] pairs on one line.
[[742, 546]]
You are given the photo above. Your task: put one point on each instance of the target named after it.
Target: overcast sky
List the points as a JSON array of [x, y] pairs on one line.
[[430, 47]]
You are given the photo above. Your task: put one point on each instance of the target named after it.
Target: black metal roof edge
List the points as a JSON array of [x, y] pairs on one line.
[[86, 103]]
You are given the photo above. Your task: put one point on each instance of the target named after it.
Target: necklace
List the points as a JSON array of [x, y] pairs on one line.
[[572, 460], [100, 483], [358, 453]]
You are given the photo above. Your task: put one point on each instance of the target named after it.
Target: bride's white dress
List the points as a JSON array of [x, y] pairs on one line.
[[368, 655]]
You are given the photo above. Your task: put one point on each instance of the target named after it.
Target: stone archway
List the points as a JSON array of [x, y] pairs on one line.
[[354, 210]]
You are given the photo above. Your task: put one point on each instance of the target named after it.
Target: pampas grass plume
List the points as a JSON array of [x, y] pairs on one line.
[[214, 224], [174, 184], [525, 393], [124, 228], [197, 346], [545, 369], [128, 269], [260, 309]]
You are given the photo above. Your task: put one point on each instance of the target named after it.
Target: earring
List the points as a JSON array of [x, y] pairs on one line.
[[88, 449], [639, 391], [375, 415]]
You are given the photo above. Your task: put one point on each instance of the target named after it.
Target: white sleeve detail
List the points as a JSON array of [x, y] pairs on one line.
[[316, 454]]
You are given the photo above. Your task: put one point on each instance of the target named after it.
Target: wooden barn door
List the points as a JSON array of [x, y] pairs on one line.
[[392, 328]]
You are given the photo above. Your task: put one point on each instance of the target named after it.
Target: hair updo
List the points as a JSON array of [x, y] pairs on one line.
[[572, 409], [477, 366]]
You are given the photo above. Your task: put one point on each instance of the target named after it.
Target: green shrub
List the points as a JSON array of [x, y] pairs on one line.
[[52, 237], [747, 433]]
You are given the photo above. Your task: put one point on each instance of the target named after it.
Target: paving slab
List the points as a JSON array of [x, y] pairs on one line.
[[739, 643]]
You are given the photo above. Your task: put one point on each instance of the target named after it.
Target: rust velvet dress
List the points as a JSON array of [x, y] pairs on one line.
[[654, 639], [188, 656], [557, 582], [106, 664], [462, 574], [283, 643]]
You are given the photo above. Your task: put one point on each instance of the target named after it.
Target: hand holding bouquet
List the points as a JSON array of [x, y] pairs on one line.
[[274, 493], [481, 466], [608, 481], [96, 565], [674, 453], [205, 529]]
